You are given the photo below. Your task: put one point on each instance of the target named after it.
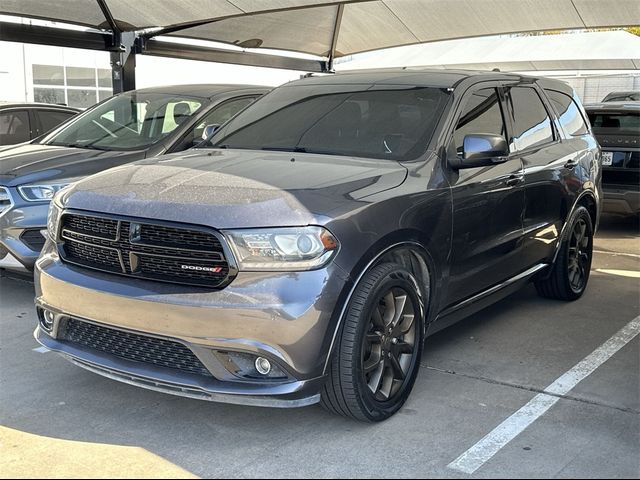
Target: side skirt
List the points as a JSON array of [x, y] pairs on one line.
[[482, 300]]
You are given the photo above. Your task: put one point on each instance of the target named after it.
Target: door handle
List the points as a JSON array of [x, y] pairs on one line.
[[571, 164], [513, 180]]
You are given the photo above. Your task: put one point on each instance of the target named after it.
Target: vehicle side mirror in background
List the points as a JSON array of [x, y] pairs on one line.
[[481, 150], [209, 130]]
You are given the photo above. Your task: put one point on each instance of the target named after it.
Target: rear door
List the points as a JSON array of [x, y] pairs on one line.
[[488, 202], [550, 170], [47, 120], [15, 126]]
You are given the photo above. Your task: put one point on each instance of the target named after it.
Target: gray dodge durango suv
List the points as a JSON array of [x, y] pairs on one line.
[[331, 226]]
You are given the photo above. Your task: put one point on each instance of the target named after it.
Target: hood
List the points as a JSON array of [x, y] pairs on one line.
[[236, 188], [29, 163]]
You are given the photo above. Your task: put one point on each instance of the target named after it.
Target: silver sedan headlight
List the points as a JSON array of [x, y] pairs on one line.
[[282, 249], [40, 193]]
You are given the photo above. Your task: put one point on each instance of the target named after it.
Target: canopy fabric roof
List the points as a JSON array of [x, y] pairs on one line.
[[609, 50], [329, 28]]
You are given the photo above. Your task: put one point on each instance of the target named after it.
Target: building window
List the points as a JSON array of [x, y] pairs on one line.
[[80, 87]]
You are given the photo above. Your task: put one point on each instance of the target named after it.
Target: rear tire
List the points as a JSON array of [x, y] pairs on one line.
[[569, 274], [378, 348]]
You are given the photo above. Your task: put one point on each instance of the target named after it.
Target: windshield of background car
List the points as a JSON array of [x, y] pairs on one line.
[[615, 122], [387, 122], [126, 122], [623, 97]]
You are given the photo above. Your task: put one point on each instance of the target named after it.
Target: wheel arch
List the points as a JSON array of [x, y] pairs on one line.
[[403, 248], [586, 199]]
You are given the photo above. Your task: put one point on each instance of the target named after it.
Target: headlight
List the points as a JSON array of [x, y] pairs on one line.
[[53, 218], [288, 249], [40, 193]]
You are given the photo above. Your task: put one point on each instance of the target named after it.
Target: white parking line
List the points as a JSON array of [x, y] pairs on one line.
[[617, 254], [513, 426], [41, 350]]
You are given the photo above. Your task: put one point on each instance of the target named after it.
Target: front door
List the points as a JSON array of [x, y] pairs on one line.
[[488, 203]]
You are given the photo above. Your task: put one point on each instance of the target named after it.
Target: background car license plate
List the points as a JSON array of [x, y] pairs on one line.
[[607, 158]]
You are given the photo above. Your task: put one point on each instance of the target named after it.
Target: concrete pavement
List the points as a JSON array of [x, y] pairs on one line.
[[474, 376]]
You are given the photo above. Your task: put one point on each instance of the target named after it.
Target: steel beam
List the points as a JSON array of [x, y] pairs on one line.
[[59, 37], [205, 54]]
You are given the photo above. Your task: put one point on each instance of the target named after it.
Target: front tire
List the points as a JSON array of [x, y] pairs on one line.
[[570, 272], [379, 346]]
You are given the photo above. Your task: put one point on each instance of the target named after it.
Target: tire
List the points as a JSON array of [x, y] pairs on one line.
[[574, 258], [377, 353]]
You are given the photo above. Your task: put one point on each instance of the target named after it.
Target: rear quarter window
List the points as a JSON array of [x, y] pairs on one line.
[[531, 122], [568, 112]]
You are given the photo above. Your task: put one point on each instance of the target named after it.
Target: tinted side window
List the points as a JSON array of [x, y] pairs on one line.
[[49, 119], [568, 112], [221, 114], [14, 127], [531, 123], [481, 114]]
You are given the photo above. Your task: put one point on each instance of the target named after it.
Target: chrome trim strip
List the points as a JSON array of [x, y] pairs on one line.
[[93, 237], [492, 290]]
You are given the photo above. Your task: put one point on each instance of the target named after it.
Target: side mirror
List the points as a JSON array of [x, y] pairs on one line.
[[209, 130], [481, 150]]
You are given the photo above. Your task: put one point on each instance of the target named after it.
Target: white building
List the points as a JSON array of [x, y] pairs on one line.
[[83, 77]]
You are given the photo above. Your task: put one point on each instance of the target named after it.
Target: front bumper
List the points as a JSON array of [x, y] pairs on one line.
[[286, 317], [20, 229]]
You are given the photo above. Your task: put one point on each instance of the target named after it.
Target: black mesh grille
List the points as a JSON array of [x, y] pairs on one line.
[[144, 250], [33, 239], [178, 238], [131, 346], [95, 226], [91, 256]]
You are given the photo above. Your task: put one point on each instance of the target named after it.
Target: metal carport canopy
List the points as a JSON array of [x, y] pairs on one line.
[[324, 28]]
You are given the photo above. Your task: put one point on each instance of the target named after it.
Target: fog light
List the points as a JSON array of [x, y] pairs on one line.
[[263, 366], [251, 367], [47, 319]]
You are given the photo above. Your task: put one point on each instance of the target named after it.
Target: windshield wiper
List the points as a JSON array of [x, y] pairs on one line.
[[87, 146], [286, 149]]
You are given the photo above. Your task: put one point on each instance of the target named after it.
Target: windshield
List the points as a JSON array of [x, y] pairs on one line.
[[615, 122], [389, 122], [129, 121]]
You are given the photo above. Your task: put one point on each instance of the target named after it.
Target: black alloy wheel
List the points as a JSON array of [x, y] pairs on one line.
[[378, 346], [568, 276], [389, 345], [579, 256]]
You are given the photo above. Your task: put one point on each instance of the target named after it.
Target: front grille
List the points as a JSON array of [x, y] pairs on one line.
[[144, 250], [5, 200], [131, 346], [33, 239]]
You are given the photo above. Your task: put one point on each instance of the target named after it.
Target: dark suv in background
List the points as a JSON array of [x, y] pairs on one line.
[[334, 224], [127, 127], [617, 128]]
